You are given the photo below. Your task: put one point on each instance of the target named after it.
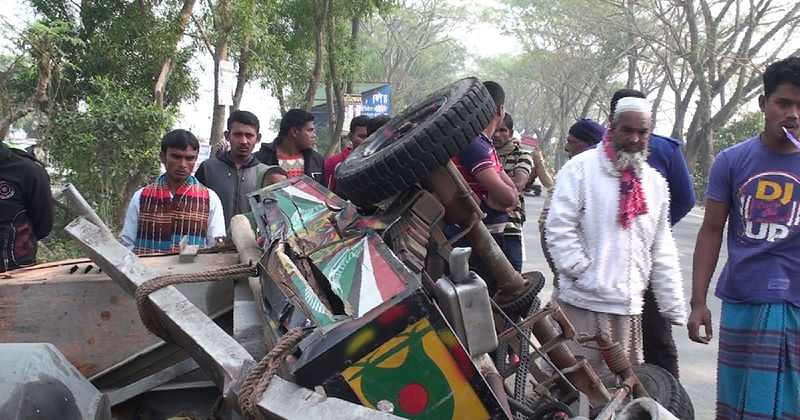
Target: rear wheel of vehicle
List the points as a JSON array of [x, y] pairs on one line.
[[664, 388], [416, 142]]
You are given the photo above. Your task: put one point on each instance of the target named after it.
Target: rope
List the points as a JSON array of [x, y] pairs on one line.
[[259, 377], [233, 272]]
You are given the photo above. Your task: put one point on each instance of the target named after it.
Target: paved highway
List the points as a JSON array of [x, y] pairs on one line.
[[697, 361]]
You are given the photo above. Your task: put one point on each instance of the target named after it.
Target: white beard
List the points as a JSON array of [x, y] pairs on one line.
[[626, 160]]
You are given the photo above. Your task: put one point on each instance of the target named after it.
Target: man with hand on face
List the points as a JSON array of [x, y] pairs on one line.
[[293, 149], [357, 135], [755, 187], [175, 205], [518, 165], [235, 173], [481, 168], [608, 232]]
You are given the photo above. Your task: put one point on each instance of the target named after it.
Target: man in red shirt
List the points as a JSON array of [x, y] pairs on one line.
[[479, 164], [293, 149], [357, 135]]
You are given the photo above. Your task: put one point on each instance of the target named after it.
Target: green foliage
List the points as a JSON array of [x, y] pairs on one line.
[[733, 133], [284, 58], [121, 41], [101, 126], [39, 48], [738, 131], [58, 245], [110, 149], [323, 139]]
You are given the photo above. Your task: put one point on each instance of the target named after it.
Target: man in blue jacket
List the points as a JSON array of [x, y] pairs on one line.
[[666, 157]]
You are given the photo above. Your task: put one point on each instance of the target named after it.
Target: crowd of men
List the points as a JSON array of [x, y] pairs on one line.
[[606, 225], [201, 206]]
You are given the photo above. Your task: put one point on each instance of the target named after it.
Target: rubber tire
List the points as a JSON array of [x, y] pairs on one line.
[[664, 388], [386, 164]]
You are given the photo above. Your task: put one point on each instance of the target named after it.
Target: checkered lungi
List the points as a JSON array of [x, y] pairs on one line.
[[758, 372]]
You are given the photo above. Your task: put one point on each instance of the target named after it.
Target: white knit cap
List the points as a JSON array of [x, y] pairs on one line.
[[630, 103]]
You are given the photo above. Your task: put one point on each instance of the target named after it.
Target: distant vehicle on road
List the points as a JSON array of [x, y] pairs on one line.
[[533, 189]]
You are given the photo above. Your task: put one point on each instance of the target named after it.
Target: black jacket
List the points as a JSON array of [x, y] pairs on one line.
[[26, 207], [313, 161]]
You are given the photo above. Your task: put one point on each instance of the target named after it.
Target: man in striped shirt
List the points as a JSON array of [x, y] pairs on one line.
[[518, 165], [175, 205]]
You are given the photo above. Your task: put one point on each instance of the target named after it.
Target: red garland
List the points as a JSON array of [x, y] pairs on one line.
[[631, 197]]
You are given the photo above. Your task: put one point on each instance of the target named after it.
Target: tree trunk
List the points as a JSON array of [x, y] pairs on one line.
[[320, 10], [281, 100], [45, 71], [241, 75], [223, 25], [631, 83], [699, 150], [657, 102], [129, 189], [333, 143], [355, 30], [587, 106], [166, 67], [337, 87], [218, 118], [681, 110]]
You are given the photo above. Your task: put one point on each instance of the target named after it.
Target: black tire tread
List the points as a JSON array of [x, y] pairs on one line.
[[665, 388], [406, 161]]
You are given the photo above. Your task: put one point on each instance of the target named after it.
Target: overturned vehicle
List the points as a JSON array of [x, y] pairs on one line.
[[357, 308]]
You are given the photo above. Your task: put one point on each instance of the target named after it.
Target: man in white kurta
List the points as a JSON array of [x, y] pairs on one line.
[[609, 235]]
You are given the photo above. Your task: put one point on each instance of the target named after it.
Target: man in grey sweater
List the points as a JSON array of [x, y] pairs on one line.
[[237, 172]]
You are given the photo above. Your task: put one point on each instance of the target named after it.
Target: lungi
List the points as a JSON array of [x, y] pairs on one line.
[[758, 374]]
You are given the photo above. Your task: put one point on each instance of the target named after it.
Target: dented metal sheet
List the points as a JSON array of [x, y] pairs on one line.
[[362, 272], [91, 320], [219, 354]]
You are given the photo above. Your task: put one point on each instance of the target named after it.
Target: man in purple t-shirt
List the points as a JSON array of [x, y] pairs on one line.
[[755, 186]]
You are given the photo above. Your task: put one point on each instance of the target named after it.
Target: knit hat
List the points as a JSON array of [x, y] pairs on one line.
[[587, 130]]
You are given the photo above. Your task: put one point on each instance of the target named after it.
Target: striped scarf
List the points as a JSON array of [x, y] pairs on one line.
[[164, 219]]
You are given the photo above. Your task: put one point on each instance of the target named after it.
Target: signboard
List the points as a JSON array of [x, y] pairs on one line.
[[529, 141], [352, 108], [377, 102], [227, 83]]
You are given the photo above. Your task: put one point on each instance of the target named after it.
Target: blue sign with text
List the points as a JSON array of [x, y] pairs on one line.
[[377, 101]]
